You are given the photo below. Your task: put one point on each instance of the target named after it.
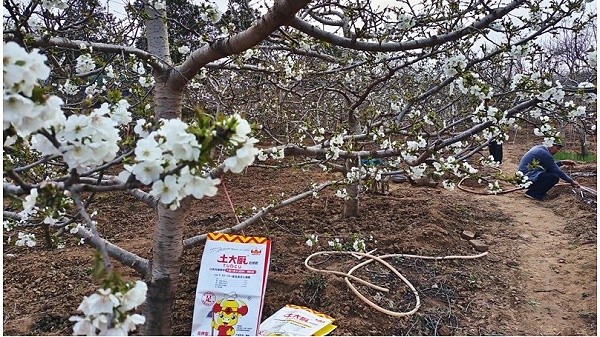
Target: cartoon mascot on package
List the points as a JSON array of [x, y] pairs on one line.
[[226, 314]]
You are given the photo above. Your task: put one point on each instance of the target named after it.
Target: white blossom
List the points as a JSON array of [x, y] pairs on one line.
[[592, 58], [130, 323], [134, 297], [405, 21], [312, 240], [184, 50], [89, 141], [20, 112], [110, 72], [147, 172], [30, 201], [100, 302], [519, 51], [198, 186], [454, 65], [158, 4], [101, 322], [449, 185], [10, 140], [248, 54], [494, 187], [147, 149], [120, 113], [359, 245], [342, 193], [141, 128], [243, 158], [242, 129], [182, 144], [92, 90], [146, 81], [85, 64], [75, 229], [262, 155], [417, 172], [211, 14], [83, 326], [139, 68], [21, 69], [41, 144], [167, 191], [69, 88], [26, 240], [51, 4]]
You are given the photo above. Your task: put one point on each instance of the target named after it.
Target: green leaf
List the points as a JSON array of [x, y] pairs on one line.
[[38, 95], [98, 271]]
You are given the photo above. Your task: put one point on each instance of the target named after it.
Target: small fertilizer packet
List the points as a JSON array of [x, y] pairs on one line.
[[294, 320]]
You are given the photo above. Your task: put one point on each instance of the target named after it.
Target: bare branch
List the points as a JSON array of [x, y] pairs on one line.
[[197, 240], [144, 197], [95, 239], [106, 248], [11, 215], [105, 47], [280, 14], [320, 34], [480, 127], [12, 189], [127, 258]]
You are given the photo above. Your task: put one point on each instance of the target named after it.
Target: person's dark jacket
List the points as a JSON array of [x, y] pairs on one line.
[[539, 159]]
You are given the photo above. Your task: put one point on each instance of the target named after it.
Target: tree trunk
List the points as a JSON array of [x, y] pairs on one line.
[[165, 263], [165, 266], [351, 204], [583, 144]]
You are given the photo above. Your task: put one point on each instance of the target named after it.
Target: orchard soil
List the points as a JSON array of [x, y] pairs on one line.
[[539, 277]]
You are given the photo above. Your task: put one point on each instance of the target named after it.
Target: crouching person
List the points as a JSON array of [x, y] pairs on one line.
[[541, 169]]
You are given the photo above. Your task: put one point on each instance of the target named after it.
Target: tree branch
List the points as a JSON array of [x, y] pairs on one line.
[[95, 238], [144, 197], [197, 240], [480, 127], [12, 189], [105, 47], [106, 248], [125, 257], [280, 14], [350, 43]]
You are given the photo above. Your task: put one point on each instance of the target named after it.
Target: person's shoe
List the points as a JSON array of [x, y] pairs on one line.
[[531, 197]]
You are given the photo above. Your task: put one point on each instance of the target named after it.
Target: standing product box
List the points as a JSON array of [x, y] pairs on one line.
[[231, 285]]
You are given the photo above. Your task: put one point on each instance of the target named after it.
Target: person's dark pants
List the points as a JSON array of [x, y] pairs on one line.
[[544, 182], [495, 151]]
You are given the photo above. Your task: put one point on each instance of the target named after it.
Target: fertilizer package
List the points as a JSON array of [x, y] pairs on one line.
[[293, 320], [231, 285]]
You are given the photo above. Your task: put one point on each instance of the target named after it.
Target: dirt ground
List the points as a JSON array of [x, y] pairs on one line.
[[539, 277]]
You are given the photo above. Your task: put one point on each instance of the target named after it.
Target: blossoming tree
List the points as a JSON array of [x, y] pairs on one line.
[[424, 86]]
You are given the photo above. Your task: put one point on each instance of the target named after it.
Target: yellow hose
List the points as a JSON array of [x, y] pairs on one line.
[[347, 276]]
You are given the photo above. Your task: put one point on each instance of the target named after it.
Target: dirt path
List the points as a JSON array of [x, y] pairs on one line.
[[554, 289]]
